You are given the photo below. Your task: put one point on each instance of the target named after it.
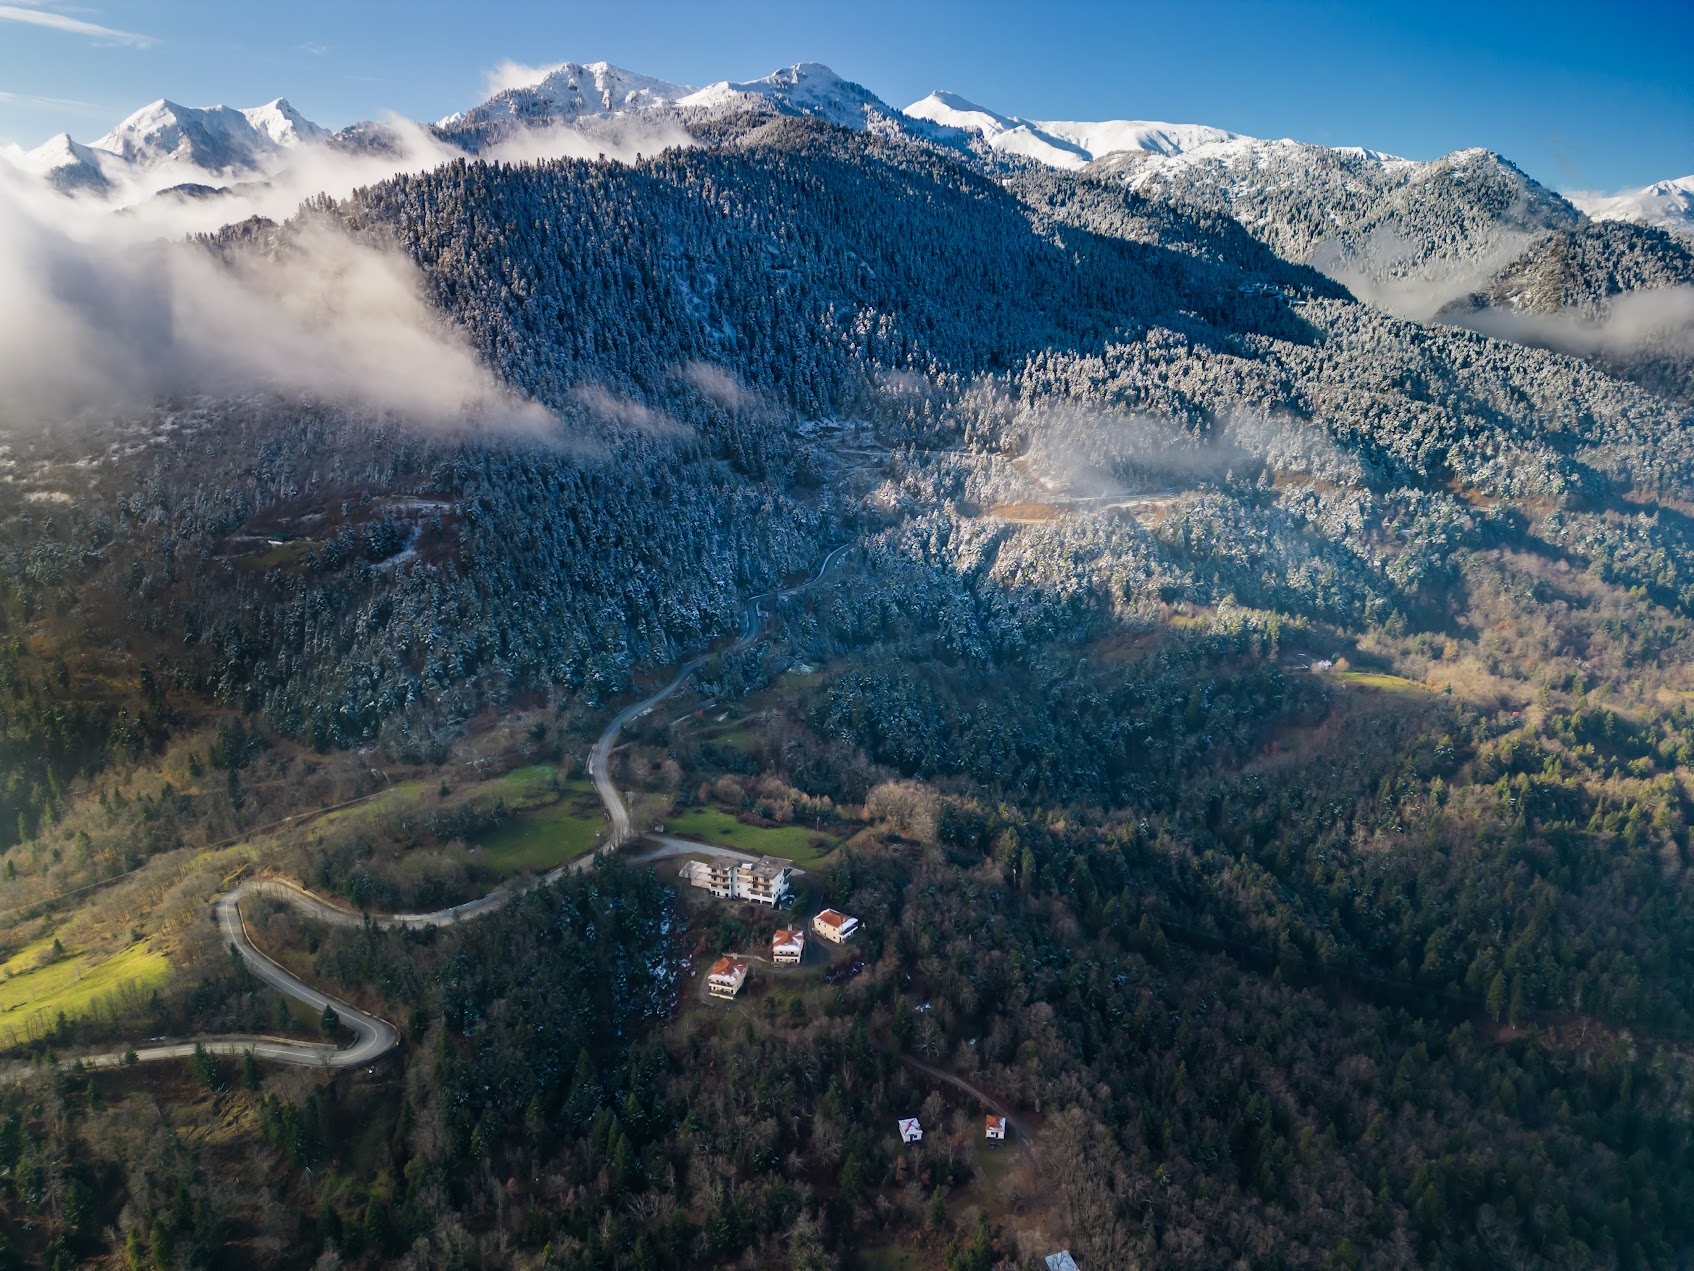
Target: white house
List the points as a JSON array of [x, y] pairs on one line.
[[837, 927], [996, 1129], [726, 977], [788, 947], [1061, 1261], [910, 1130], [696, 873]]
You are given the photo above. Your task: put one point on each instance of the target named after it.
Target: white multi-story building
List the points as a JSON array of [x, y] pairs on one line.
[[764, 882]]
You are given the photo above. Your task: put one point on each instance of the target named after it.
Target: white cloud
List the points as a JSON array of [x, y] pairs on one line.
[[717, 384], [1637, 321], [98, 315], [73, 26], [103, 307], [509, 75]]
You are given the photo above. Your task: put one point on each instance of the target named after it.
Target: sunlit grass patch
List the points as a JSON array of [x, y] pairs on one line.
[[1387, 683], [74, 984]]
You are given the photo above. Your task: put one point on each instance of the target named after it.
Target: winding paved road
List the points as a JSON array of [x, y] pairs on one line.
[[375, 1037]]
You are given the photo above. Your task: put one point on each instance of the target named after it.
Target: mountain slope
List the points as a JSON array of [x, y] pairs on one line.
[[569, 92], [1404, 234], [163, 145], [69, 166]]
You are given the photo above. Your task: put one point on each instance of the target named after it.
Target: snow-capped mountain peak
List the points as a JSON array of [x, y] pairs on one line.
[[215, 139], [575, 91], [1666, 204], [806, 88], [67, 165], [283, 124], [570, 91], [953, 111]]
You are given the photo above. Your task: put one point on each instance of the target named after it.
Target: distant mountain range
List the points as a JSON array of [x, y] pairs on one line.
[[165, 144], [1445, 237]]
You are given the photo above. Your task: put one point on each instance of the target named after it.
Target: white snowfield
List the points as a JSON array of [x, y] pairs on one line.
[[374, 1037]]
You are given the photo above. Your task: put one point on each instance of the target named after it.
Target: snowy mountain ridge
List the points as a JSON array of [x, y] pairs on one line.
[[1063, 143], [570, 91], [573, 92], [215, 139], [1666, 204], [165, 144]]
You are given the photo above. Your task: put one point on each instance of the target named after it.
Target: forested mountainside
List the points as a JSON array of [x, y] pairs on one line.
[[1401, 232], [1252, 728], [1467, 238]]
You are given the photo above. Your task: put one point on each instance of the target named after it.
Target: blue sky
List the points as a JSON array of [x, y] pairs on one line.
[[1582, 96]]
